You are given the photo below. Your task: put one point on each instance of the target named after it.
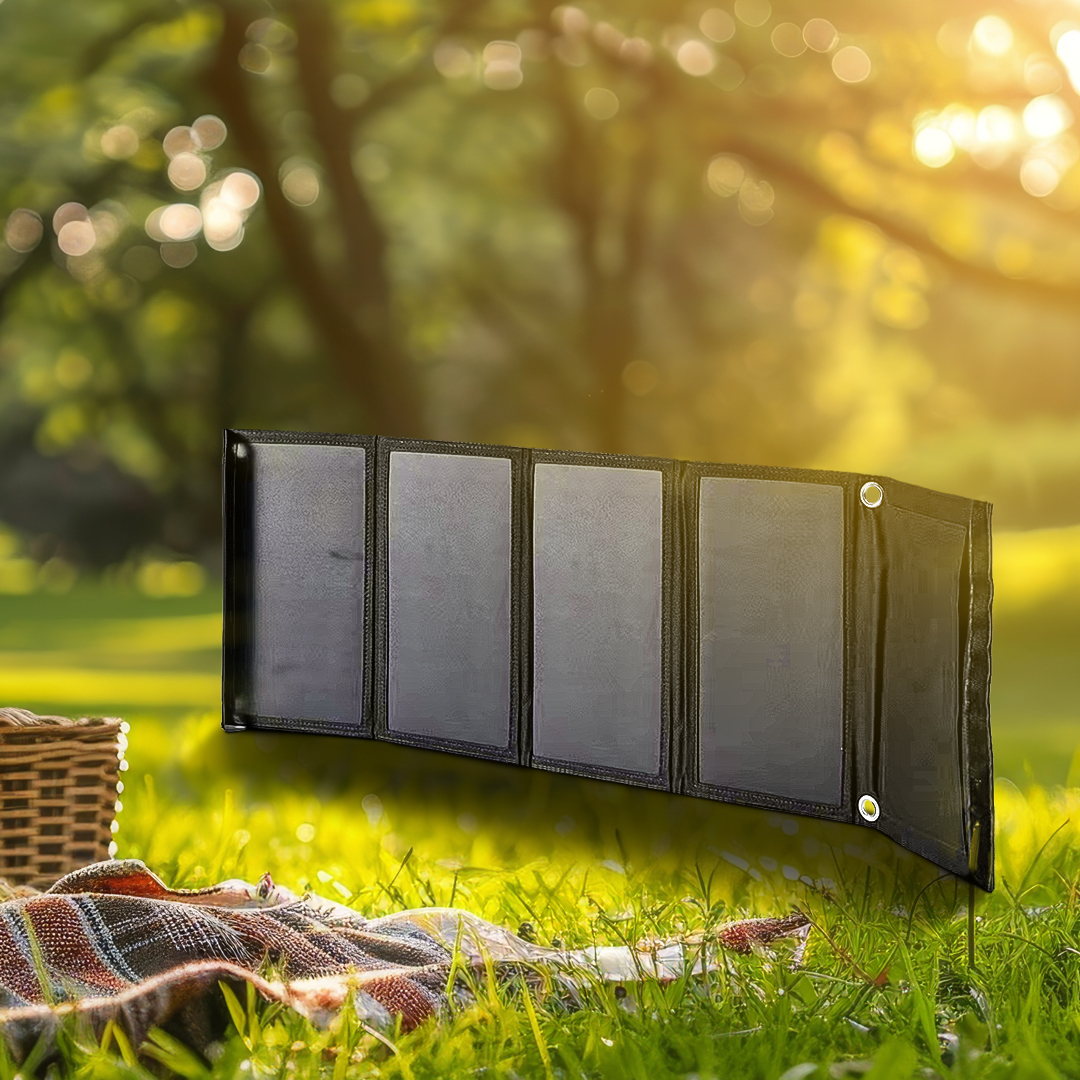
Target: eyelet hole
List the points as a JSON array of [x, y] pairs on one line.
[[872, 494]]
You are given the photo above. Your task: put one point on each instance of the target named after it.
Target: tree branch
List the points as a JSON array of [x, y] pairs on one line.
[[816, 191], [385, 392]]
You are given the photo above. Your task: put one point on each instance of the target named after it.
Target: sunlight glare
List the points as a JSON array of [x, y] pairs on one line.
[[997, 126], [1047, 116], [1067, 48], [959, 121], [992, 35], [1038, 176], [933, 146]]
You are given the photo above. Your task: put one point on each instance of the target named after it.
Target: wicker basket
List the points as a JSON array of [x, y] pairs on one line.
[[59, 781]]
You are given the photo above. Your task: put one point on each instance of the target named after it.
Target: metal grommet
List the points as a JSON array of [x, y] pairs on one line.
[[871, 494], [869, 809]]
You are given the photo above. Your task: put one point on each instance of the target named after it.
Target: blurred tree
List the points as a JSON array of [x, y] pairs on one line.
[[840, 236]]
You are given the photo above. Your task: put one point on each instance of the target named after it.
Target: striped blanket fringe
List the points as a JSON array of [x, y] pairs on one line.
[[112, 942]]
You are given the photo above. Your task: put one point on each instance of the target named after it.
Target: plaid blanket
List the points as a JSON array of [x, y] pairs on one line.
[[113, 942]]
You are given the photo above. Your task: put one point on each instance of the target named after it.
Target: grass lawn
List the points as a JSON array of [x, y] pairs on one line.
[[886, 985]]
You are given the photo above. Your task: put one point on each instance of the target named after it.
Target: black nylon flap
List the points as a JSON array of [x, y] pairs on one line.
[[813, 642]]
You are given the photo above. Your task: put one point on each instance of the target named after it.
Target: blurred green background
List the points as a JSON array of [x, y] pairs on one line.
[[830, 234]]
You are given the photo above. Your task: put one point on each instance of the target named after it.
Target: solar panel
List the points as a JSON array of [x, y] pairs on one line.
[[811, 642]]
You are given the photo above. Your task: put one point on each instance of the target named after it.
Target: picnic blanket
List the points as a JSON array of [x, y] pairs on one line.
[[113, 942]]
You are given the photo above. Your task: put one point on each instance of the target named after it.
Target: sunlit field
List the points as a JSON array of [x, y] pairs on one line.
[[886, 979]]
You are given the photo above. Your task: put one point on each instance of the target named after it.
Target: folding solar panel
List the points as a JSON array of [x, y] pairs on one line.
[[812, 642]]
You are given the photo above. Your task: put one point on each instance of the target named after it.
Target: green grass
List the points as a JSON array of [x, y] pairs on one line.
[[382, 827]]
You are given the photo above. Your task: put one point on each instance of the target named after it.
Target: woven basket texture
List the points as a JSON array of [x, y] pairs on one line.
[[58, 789]]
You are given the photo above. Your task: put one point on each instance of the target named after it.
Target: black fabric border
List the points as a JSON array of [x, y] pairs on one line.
[[236, 580], [976, 702], [237, 494]]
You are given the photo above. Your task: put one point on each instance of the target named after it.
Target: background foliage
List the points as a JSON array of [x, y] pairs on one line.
[[835, 234]]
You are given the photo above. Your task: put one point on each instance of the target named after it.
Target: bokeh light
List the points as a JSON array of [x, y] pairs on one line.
[[1067, 47], [502, 65], [209, 131], [180, 140], [820, 35], [241, 189], [601, 103], [76, 237], [1047, 116], [120, 142], [454, 60], [725, 175], [636, 50], [255, 57], [187, 171], [717, 25], [753, 12], [788, 40], [571, 20], [1041, 75], [179, 255], [69, 211], [300, 182], [180, 221], [933, 146], [992, 35], [997, 126], [227, 202], [695, 57], [23, 230], [1039, 176], [756, 198], [609, 38], [851, 64], [153, 225]]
